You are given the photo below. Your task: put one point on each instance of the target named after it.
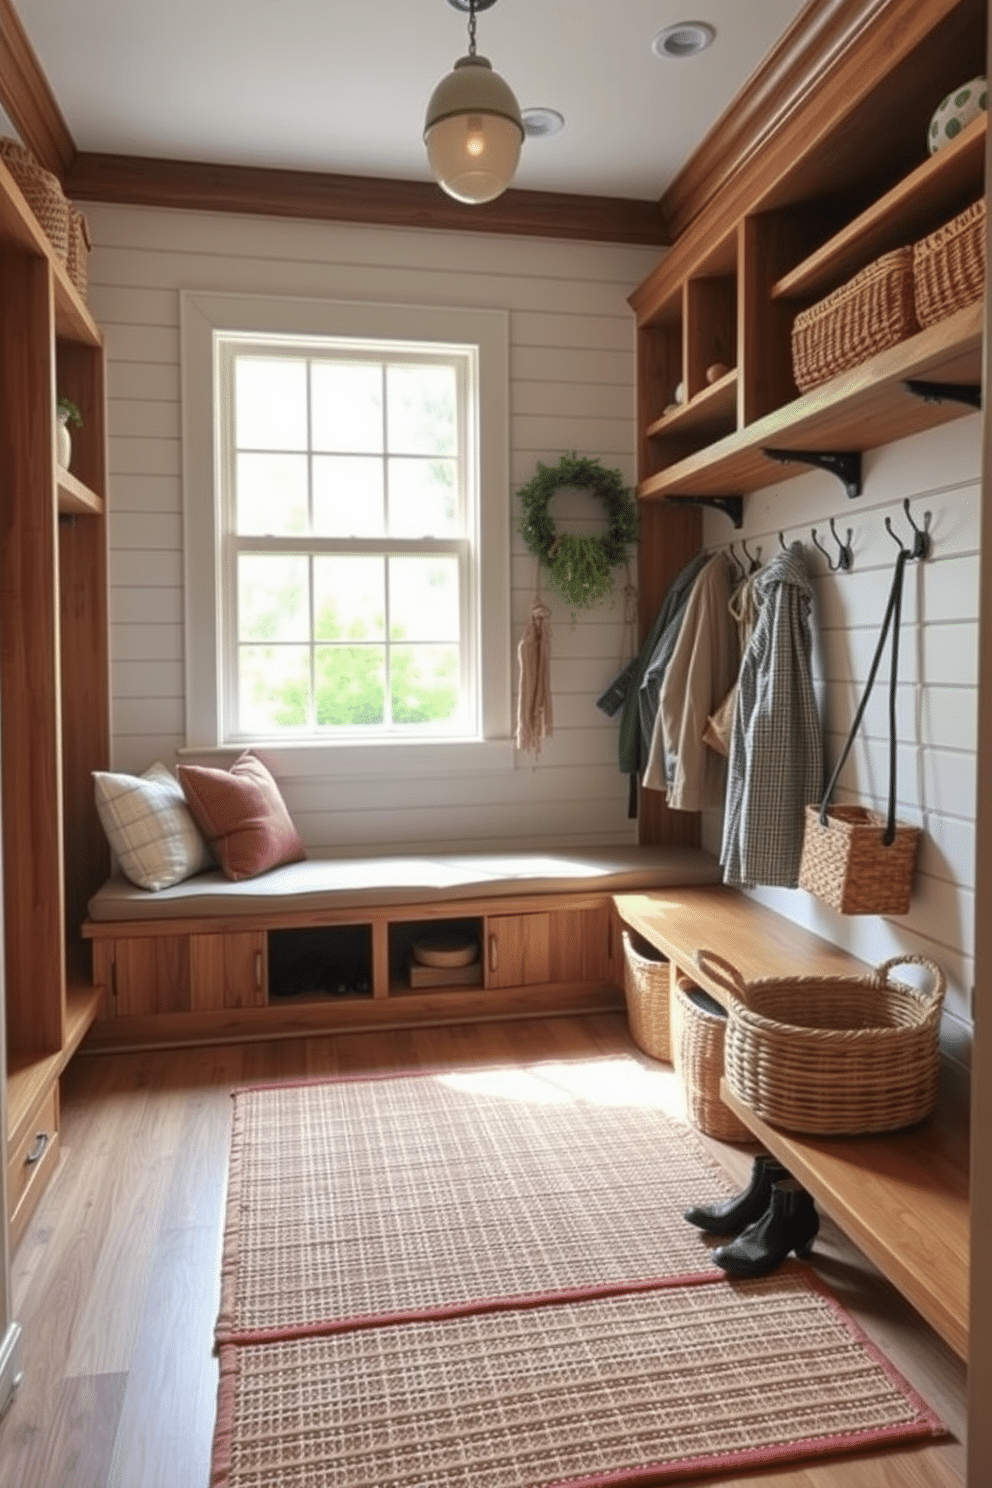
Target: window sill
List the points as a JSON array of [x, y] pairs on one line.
[[397, 760]]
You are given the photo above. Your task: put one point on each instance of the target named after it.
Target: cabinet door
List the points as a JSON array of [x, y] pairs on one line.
[[228, 971], [563, 945], [150, 974]]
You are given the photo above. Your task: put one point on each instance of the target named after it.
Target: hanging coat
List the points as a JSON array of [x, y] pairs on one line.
[[775, 768], [701, 669]]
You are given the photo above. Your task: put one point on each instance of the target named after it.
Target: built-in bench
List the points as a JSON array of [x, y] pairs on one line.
[[326, 944], [902, 1197]]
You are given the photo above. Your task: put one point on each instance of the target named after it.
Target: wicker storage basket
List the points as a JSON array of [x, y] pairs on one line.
[[699, 1026], [77, 263], [949, 266], [833, 1056], [647, 982], [43, 193], [873, 310], [847, 864]]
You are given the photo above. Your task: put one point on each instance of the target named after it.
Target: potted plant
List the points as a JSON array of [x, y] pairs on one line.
[[66, 413]]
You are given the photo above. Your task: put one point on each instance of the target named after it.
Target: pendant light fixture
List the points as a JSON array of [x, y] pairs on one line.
[[473, 130]]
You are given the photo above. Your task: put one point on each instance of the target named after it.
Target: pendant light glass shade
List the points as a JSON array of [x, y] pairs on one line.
[[473, 132]]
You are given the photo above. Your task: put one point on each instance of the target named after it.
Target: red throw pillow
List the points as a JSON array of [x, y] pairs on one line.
[[243, 816]]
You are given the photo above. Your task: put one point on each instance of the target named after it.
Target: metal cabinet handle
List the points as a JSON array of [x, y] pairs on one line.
[[38, 1147], [493, 957], [258, 969]]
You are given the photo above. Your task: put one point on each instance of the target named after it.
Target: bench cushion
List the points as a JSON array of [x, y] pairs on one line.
[[356, 883]]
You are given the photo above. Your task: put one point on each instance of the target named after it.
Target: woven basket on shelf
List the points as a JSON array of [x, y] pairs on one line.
[[833, 1056], [43, 193], [699, 1026], [847, 864], [647, 983], [949, 266], [873, 310], [77, 262]]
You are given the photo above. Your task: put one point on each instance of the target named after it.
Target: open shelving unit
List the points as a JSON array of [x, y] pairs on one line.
[[53, 683]]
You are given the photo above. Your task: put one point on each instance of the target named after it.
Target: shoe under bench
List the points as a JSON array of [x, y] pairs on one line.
[[902, 1197]]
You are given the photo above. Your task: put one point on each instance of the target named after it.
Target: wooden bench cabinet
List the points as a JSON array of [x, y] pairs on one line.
[[902, 1197]]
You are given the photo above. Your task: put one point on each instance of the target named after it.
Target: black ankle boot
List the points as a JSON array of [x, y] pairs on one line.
[[789, 1223], [733, 1215]]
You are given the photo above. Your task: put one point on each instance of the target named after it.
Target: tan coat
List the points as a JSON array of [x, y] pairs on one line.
[[699, 675]]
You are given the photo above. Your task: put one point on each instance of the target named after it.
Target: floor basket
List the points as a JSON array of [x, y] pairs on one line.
[[949, 266], [699, 1026], [873, 310], [43, 193], [833, 1056], [847, 864], [647, 980]]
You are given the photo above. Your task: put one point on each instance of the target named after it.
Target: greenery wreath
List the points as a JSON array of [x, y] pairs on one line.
[[579, 564]]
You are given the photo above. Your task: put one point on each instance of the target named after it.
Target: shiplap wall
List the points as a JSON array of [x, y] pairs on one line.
[[572, 376], [939, 472], [572, 379]]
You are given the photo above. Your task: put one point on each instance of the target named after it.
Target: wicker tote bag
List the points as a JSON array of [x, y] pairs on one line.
[[854, 859]]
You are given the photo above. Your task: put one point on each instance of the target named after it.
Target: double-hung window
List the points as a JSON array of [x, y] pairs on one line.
[[356, 531]]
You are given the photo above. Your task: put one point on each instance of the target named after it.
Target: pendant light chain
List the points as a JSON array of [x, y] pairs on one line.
[[471, 28]]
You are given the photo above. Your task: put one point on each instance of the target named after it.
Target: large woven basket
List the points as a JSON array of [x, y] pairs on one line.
[[949, 266], [847, 864], [43, 193], [833, 1056], [870, 312], [647, 981], [699, 1028]]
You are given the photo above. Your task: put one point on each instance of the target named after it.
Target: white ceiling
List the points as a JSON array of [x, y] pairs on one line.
[[341, 85]]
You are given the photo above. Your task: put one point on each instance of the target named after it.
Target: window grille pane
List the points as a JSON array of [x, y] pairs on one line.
[[351, 685], [273, 597], [348, 496], [274, 688], [270, 403], [346, 416], [349, 598], [423, 599], [421, 409], [424, 682], [423, 498], [272, 495]]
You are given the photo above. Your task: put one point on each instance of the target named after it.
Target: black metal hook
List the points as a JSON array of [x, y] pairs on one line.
[[845, 553], [753, 560], [781, 543], [738, 567], [921, 535]]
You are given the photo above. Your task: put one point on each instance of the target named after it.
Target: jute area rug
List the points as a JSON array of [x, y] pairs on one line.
[[483, 1280]]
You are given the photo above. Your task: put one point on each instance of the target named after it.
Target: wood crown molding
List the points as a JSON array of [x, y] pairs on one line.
[[341, 198], [824, 34], [27, 98]]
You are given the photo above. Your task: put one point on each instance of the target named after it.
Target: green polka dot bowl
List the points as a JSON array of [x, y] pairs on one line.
[[955, 112]]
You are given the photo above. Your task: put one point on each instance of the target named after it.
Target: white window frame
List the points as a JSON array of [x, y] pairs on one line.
[[203, 315]]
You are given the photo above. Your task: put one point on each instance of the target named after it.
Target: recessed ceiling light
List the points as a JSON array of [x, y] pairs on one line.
[[540, 122], [684, 39]]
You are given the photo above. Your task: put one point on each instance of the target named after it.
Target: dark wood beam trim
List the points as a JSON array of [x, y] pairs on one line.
[[824, 34], [27, 99], [339, 198]]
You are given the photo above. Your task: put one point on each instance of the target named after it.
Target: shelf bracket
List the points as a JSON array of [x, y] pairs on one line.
[[731, 506], [844, 464], [969, 393]]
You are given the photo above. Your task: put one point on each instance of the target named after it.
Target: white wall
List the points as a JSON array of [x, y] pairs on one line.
[[572, 379], [939, 472]]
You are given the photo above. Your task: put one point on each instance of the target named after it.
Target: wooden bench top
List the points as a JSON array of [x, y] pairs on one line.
[[902, 1197]]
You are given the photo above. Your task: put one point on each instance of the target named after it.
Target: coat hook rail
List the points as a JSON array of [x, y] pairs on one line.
[[921, 535], [753, 559]]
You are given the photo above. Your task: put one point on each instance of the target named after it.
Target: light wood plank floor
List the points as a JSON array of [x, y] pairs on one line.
[[115, 1281]]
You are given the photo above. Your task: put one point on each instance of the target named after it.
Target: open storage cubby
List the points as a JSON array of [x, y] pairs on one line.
[[318, 961], [845, 179], [404, 934]]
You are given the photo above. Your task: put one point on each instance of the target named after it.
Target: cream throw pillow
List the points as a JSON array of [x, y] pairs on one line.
[[150, 828]]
